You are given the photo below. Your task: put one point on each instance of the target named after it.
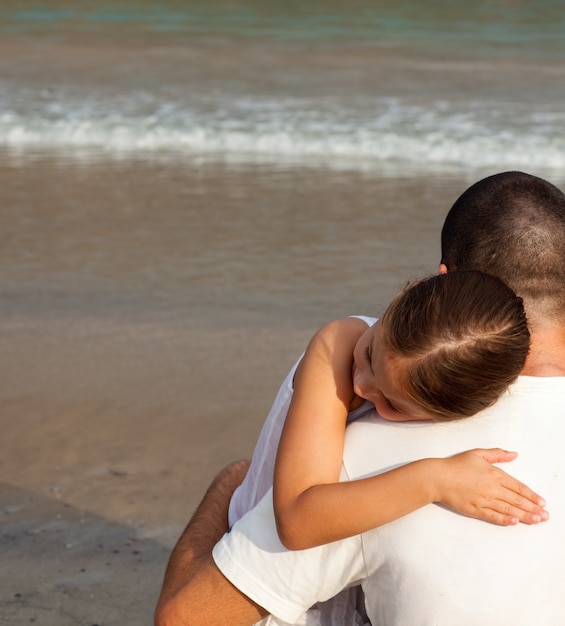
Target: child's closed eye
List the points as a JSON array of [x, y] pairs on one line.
[[390, 405]]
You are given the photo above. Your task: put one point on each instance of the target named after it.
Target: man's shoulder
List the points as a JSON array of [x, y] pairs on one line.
[[531, 405], [530, 419]]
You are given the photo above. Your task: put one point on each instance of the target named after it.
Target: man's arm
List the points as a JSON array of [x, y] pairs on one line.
[[194, 590]]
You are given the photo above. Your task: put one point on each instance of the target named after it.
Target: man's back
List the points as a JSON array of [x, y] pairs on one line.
[[436, 567], [432, 567]]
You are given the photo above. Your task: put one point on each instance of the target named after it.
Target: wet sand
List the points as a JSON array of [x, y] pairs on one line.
[[149, 312], [110, 436]]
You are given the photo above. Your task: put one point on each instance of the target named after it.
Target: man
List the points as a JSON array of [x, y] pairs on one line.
[[432, 566]]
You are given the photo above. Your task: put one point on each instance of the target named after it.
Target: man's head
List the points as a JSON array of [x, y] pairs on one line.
[[512, 225]]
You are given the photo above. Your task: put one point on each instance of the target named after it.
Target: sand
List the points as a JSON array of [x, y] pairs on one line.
[[102, 464]]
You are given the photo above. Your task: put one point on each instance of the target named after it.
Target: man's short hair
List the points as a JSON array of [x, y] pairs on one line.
[[512, 225]]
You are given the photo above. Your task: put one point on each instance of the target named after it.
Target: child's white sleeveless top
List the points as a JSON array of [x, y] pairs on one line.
[[259, 478]]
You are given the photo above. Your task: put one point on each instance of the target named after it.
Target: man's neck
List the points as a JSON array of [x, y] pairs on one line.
[[547, 350]]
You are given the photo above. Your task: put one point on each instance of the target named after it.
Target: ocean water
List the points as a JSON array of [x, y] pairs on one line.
[[362, 85]]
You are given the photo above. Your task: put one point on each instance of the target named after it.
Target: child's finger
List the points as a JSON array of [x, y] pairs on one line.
[[495, 455], [521, 495], [524, 507], [505, 514], [501, 519]]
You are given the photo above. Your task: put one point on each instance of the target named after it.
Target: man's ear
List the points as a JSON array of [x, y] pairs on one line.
[[442, 268]]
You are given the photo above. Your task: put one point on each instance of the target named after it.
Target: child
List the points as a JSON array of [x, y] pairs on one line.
[[446, 348]]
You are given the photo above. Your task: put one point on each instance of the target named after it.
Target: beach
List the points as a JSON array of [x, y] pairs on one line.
[[187, 195]]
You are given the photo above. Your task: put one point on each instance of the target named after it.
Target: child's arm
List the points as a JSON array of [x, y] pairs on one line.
[[312, 508], [311, 445]]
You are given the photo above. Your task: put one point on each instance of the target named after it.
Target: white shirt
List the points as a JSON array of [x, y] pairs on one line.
[[259, 477], [432, 567]]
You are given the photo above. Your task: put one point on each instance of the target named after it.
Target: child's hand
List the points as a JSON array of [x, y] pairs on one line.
[[474, 487]]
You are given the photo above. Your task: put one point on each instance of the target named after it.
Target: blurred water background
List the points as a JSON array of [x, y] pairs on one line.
[[357, 85], [276, 149]]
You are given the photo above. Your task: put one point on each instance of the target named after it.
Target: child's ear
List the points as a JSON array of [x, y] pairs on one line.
[[442, 268]]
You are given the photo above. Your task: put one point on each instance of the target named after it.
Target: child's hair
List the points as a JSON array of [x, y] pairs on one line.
[[457, 341]]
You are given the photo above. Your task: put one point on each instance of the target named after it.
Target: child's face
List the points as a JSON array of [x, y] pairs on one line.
[[374, 379]]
